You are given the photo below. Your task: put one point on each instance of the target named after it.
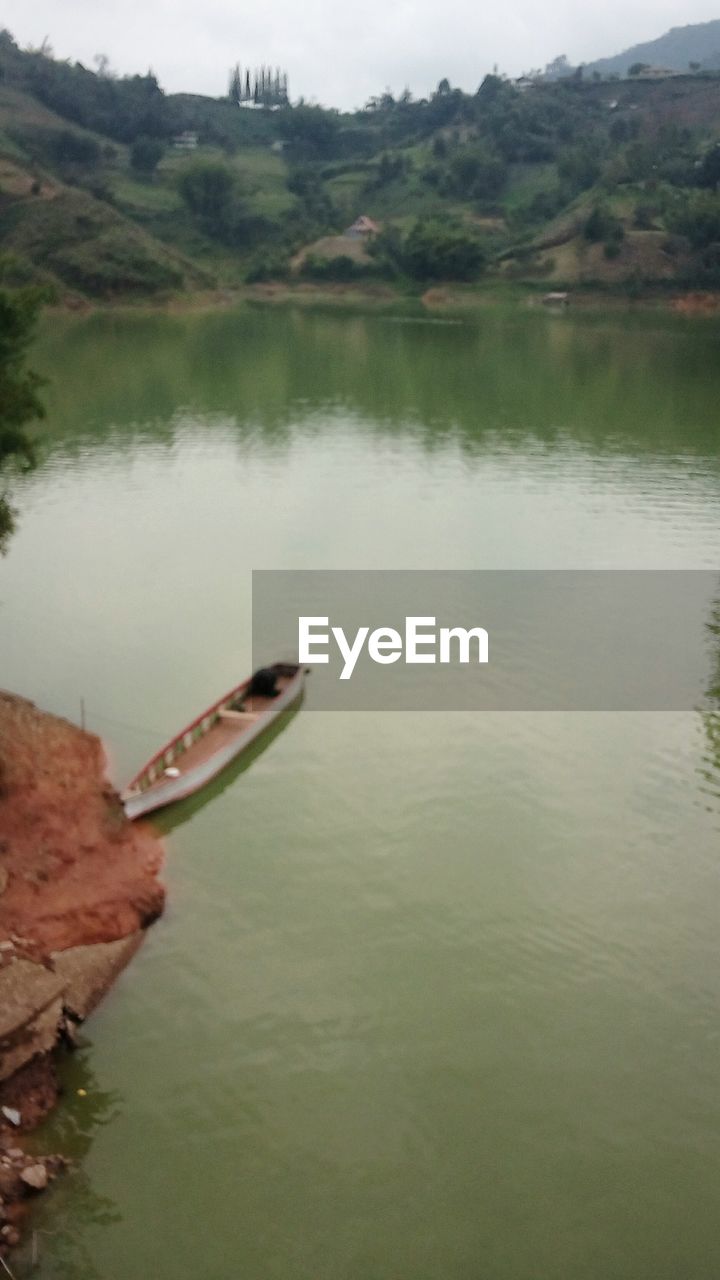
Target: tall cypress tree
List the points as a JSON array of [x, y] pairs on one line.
[[234, 87]]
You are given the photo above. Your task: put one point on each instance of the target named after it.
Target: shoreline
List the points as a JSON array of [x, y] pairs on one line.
[[458, 299], [78, 888]]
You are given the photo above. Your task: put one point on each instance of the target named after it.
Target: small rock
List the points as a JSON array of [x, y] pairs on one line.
[[35, 1176], [11, 1115], [16, 1153], [11, 1236], [10, 1184]]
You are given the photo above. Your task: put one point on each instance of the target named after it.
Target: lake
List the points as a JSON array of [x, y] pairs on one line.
[[435, 996]]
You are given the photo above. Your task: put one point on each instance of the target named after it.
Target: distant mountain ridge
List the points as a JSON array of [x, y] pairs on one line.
[[699, 42]]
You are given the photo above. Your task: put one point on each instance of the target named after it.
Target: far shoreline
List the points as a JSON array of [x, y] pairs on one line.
[[440, 299]]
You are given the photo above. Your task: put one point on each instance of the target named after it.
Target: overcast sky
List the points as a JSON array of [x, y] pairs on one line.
[[341, 53]]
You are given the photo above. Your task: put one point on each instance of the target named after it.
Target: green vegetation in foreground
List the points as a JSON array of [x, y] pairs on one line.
[[566, 179], [19, 401]]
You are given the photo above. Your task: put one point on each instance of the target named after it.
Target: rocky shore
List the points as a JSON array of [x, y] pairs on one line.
[[78, 887]]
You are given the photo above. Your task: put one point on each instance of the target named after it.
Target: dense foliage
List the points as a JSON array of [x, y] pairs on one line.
[[460, 182], [19, 400], [431, 250], [118, 107]]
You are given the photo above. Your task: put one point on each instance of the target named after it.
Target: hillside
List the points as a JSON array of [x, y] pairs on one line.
[[60, 231], [110, 188], [676, 50]]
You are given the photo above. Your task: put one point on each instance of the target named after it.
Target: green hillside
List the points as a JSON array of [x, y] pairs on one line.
[[676, 50], [110, 188]]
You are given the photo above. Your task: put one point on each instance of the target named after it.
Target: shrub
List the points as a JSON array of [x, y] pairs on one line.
[[435, 250], [146, 154], [644, 217], [209, 189], [341, 269], [602, 225], [268, 267], [697, 216]]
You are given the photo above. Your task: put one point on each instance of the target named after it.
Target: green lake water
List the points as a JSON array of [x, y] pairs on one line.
[[436, 995]]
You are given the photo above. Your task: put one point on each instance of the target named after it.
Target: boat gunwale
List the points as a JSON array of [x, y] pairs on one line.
[[133, 788]]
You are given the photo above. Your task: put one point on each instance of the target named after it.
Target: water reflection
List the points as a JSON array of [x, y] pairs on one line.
[[54, 1248], [271, 371]]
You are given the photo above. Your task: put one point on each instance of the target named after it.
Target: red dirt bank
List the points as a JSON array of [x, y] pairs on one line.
[[78, 885], [75, 871]]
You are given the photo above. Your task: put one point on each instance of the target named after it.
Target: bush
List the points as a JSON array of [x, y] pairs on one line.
[[579, 167], [311, 131], [341, 269], [389, 170], [708, 173], [63, 149], [146, 154], [602, 225], [210, 191], [474, 173], [697, 216], [644, 217], [268, 267], [432, 250], [543, 206]]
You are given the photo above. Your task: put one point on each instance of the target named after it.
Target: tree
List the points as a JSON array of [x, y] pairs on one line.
[[19, 401], [559, 68], [146, 154], [697, 216], [475, 172], [101, 60], [432, 250], [708, 173], [210, 190], [491, 88], [235, 85], [311, 131], [602, 225], [580, 166]]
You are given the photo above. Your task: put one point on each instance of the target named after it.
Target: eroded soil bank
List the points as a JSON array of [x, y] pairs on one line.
[[78, 887]]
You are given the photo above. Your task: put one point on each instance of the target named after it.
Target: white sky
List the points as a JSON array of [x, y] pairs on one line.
[[341, 53]]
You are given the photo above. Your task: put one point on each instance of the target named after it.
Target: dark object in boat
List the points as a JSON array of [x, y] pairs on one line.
[[263, 684], [285, 670]]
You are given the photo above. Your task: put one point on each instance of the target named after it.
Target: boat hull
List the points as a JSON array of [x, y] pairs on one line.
[[170, 790]]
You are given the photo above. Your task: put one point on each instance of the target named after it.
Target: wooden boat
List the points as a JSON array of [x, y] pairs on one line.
[[206, 745]]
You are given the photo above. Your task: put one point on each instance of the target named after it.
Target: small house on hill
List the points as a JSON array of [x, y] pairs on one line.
[[362, 228], [186, 141]]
